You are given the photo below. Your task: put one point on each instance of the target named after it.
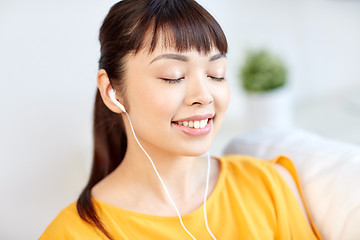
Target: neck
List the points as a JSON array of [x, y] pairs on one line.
[[183, 176], [146, 169]]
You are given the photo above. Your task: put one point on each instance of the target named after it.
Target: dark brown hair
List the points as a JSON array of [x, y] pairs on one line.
[[183, 25]]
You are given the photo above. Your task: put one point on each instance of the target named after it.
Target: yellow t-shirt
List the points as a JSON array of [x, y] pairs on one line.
[[251, 201]]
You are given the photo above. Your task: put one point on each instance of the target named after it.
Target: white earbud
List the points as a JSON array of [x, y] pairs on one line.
[[112, 95]]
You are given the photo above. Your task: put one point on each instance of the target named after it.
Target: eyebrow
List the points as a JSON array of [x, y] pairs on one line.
[[217, 56], [183, 58], [171, 56]]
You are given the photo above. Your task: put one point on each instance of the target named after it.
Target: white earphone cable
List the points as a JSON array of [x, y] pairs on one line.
[[205, 196], [162, 182], [166, 190]]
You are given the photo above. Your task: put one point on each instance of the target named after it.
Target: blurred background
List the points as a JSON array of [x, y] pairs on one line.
[[48, 60]]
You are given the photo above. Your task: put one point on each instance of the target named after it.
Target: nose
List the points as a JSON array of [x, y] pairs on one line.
[[198, 92]]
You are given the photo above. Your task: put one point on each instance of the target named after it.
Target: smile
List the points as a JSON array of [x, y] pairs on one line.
[[194, 124]]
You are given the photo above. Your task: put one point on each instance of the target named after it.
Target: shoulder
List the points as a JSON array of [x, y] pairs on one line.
[[279, 165], [273, 182], [278, 174], [240, 165], [252, 175], [243, 160], [280, 168], [68, 225]]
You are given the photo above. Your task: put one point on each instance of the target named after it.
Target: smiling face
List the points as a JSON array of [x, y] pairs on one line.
[[176, 101]]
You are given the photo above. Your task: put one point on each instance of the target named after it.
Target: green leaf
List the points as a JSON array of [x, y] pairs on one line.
[[262, 72]]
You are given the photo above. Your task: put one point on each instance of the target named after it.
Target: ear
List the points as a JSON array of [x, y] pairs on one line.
[[104, 86]]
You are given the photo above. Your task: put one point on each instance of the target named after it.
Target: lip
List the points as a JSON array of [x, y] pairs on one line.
[[196, 118], [194, 132]]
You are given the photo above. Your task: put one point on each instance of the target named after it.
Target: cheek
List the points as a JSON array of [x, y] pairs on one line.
[[158, 103], [222, 98]]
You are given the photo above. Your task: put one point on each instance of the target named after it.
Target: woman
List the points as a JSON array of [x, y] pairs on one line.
[[162, 95]]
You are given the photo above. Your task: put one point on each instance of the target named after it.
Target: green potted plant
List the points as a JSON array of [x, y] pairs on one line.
[[262, 72], [264, 78]]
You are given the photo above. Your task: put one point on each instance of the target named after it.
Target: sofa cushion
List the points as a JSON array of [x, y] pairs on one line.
[[329, 172]]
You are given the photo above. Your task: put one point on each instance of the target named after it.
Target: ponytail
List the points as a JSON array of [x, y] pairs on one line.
[[110, 144]]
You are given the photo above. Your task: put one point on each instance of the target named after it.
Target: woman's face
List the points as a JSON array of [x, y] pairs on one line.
[[176, 101]]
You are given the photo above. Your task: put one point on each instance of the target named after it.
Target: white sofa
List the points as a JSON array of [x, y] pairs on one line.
[[329, 171]]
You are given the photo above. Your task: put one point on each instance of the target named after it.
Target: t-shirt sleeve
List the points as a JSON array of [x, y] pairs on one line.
[[289, 166], [69, 225]]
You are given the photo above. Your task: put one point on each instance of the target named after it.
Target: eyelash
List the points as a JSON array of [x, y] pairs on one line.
[[172, 81], [177, 80], [219, 79]]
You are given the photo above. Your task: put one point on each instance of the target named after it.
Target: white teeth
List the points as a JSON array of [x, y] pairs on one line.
[[194, 124]]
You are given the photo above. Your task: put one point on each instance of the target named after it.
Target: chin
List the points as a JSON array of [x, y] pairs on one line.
[[196, 152], [197, 148]]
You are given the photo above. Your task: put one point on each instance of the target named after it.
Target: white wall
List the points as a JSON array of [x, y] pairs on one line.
[[48, 61], [49, 53], [318, 39]]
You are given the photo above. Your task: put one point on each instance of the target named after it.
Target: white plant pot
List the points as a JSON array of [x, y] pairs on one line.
[[272, 108]]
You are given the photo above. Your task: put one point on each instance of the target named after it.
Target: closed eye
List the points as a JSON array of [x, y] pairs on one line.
[[171, 80], [217, 78]]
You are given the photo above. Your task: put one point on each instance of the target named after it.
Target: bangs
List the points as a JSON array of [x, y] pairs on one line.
[[181, 24]]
